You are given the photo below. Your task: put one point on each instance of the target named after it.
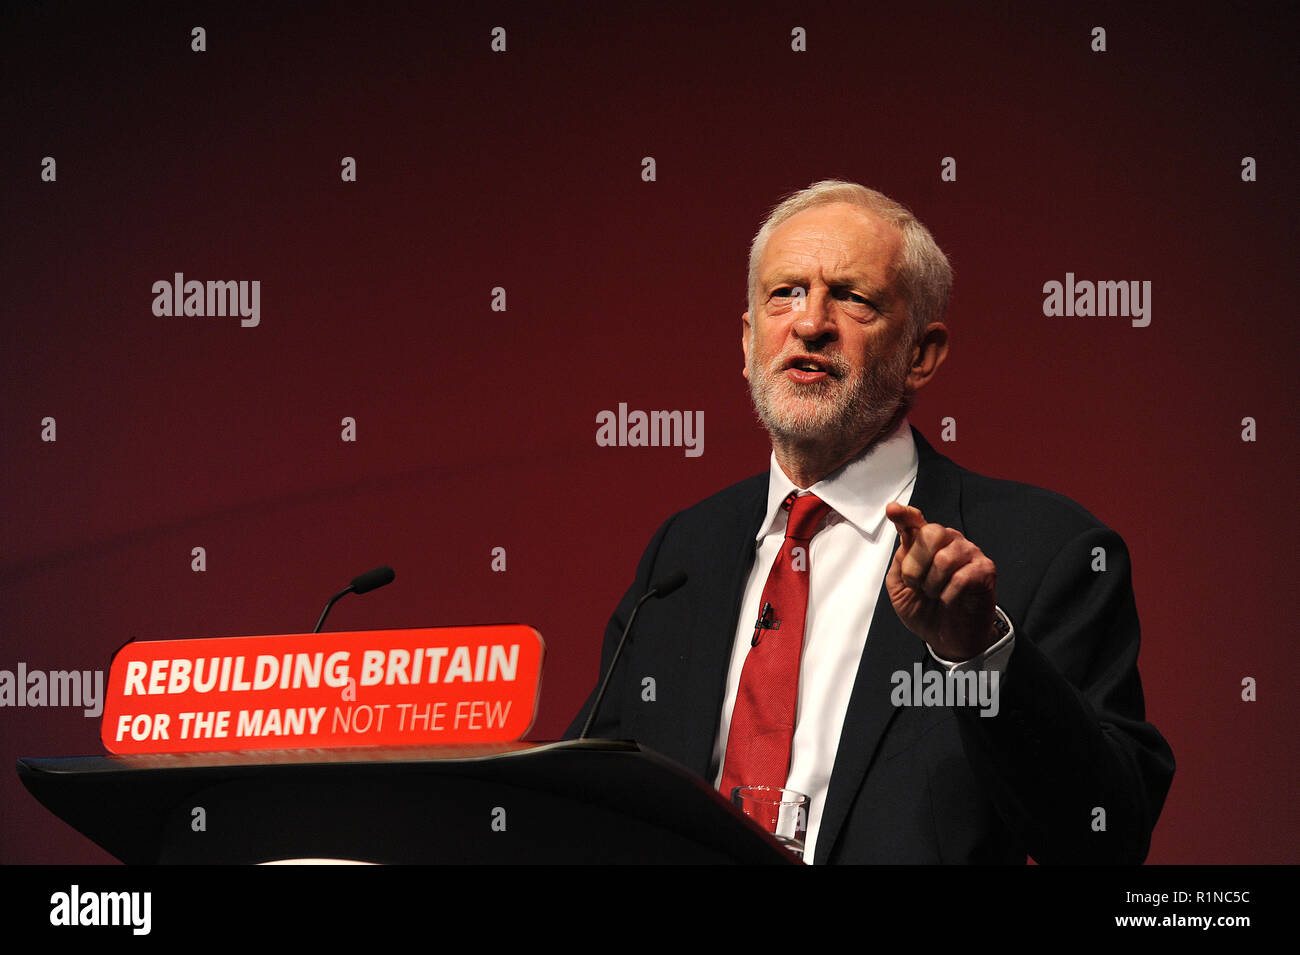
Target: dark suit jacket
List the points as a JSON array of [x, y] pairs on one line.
[[928, 784]]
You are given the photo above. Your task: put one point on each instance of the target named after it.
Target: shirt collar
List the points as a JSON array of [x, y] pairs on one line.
[[858, 491]]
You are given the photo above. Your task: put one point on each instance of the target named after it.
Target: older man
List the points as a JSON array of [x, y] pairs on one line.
[[822, 595]]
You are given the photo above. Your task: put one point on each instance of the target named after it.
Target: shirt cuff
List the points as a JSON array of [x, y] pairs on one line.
[[993, 659]]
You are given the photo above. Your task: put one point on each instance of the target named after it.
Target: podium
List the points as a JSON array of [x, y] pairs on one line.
[[572, 802]]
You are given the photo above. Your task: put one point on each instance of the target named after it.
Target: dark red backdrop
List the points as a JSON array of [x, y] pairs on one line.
[[476, 429]]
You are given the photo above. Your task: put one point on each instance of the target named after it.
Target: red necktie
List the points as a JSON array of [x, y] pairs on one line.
[[762, 723]]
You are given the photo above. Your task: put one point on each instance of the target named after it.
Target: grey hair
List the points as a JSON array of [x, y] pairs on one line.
[[924, 273]]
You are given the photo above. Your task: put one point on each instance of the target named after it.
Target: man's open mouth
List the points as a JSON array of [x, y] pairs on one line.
[[806, 369]]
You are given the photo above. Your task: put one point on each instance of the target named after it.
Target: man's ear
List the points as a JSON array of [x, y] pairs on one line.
[[927, 355], [744, 342]]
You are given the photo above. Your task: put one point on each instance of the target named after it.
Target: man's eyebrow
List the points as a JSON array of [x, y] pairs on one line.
[[880, 295], [792, 277], [784, 278]]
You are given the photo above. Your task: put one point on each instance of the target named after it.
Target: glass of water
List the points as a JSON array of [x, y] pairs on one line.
[[782, 812]]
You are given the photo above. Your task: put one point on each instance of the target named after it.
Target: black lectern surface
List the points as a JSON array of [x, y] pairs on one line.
[[579, 801]]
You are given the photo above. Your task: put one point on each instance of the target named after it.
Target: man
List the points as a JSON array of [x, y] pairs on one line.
[[863, 563]]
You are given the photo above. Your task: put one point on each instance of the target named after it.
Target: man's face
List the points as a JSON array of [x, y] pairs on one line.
[[830, 366]]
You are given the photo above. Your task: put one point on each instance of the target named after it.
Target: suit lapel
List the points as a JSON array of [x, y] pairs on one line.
[[714, 629], [890, 647]]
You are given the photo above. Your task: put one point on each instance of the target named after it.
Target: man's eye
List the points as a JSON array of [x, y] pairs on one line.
[[845, 295]]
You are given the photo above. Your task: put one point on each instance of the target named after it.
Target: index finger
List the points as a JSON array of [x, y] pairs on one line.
[[907, 519]]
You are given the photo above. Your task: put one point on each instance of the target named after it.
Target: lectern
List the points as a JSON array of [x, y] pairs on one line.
[[588, 801]]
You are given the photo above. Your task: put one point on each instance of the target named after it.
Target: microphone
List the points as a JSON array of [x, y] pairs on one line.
[[661, 589], [372, 580], [363, 584]]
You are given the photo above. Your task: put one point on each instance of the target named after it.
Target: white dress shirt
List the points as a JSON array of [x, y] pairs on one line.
[[847, 561]]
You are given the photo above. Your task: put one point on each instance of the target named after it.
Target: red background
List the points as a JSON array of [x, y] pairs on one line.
[[476, 429]]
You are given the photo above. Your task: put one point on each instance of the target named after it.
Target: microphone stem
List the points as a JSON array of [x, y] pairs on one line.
[[325, 613], [613, 663]]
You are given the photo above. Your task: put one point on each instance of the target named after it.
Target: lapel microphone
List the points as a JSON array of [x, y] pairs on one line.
[[764, 622]]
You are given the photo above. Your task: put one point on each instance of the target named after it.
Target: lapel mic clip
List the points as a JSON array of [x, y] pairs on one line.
[[764, 622]]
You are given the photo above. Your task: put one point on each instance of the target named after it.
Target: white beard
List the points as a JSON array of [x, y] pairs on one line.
[[838, 411]]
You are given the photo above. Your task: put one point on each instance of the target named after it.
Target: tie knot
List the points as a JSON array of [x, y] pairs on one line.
[[806, 513]]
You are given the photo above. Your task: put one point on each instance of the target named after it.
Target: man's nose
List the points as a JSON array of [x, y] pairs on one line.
[[815, 319]]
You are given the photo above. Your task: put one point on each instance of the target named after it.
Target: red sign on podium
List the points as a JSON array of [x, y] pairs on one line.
[[324, 690]]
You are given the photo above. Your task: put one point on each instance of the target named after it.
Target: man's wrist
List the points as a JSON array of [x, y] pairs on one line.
[[993, 657]]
